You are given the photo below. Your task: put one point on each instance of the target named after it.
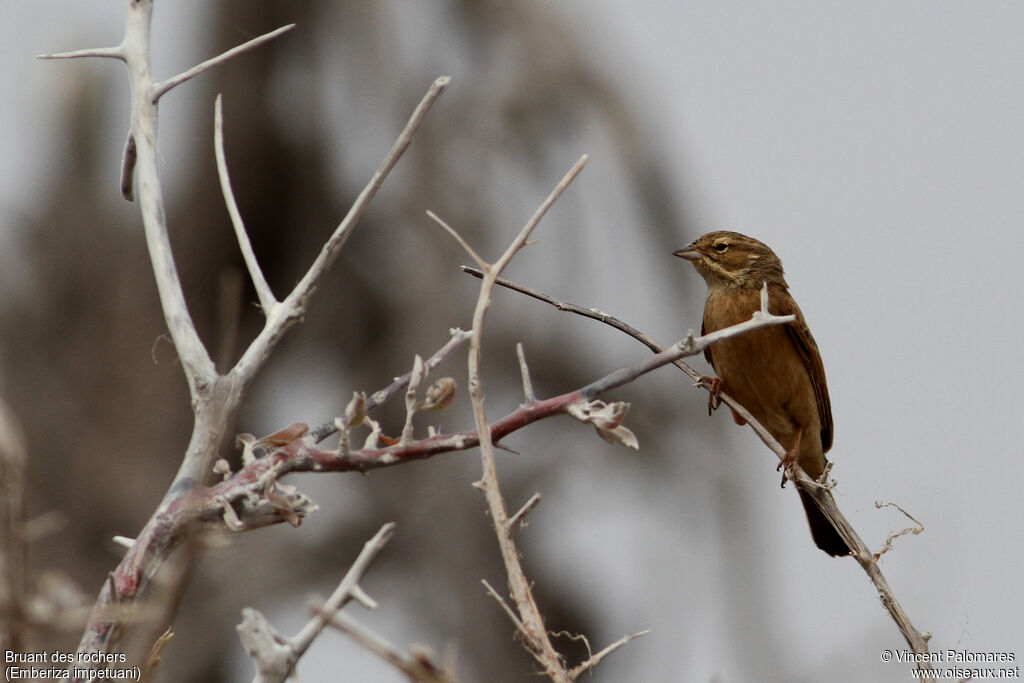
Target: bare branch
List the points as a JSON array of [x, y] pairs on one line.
[[508, 610], [524, 370], [378, 398], [263, 291], [417, 666], [104, 52], [416, 377], [161, 89], [348, 590], [200, 372], [595, 659], [517, 519], [521, 239], [591, 313], [458, 238], [275, 655], [330, 250], [294, 305], [215, 398]]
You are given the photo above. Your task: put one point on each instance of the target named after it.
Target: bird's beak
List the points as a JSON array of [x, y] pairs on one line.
[[689, 253]]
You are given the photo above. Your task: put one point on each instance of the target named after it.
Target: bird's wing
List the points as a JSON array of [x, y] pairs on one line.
[[781, 303], [707, 349]]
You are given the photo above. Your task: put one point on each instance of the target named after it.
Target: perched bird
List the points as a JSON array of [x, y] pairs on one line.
[[774, 372]]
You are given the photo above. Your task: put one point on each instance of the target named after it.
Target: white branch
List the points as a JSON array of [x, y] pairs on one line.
[[160, 89], [294, 306], [200, 371], [458, 238], [520, 241], [594, 660], [263, 291], [276, 656], [520, 517], [109, 52], [330, 250], [417, 666]]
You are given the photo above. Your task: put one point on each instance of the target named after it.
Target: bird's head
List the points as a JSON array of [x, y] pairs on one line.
[[729, 259]]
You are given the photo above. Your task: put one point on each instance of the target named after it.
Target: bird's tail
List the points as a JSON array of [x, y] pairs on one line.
[[825, 535]]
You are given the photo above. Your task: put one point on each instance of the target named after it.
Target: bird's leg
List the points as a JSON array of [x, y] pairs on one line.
[[715, 386], [790, 458]]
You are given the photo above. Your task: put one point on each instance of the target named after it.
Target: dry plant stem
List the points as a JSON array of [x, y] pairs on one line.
[[596, 658], [348, 590], [531, 623], [417, 666], [820, 492], [215, 397], [275, 656], [263, 292], [160, 89]]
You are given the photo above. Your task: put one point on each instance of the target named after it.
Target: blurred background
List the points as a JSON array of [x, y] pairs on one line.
[[876, 147]]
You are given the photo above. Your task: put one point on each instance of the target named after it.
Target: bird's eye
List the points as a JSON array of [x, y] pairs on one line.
[[721, 247]]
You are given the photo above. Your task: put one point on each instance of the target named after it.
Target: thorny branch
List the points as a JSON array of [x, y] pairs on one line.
[[215, 397]]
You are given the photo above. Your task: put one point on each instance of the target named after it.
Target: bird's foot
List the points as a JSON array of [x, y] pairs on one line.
[[715, 386], [790, 459]]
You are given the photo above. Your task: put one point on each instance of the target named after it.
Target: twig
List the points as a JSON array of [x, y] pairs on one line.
[[263, 291], [517, 519], [161, 89], [276, 656], [416, 377], [307, 285], [417, 666], [348, 590], [595, 659], [524, 370], [458, 238], [106, 52], [508, 610], [382, 396]]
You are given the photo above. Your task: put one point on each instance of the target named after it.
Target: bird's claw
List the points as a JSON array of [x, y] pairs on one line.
[[715, 386], [789, 460], [786, 466]]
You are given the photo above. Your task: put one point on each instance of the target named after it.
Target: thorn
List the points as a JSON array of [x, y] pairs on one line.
[[518, 518]]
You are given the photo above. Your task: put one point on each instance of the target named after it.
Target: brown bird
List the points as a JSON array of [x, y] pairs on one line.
[[774, 372]]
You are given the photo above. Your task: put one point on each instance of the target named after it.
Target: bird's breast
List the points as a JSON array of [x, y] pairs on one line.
[[762, 369]]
